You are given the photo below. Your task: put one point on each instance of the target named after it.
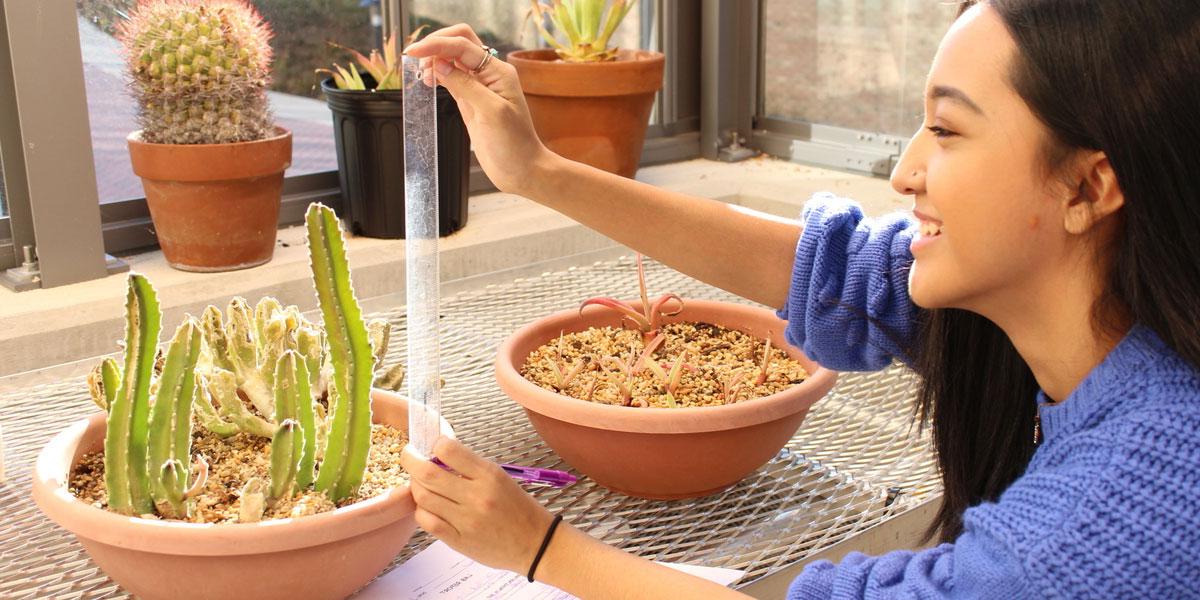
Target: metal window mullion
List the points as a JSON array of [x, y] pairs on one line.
[[729, 51], [667, 19], [18, 223], [57, 198], [396, 17]]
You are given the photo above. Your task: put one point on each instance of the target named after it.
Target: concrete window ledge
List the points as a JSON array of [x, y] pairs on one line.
[[506, 237]]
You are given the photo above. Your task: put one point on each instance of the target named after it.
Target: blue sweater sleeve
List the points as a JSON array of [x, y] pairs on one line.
[[1111, 512], [974, 566], [848, 306]]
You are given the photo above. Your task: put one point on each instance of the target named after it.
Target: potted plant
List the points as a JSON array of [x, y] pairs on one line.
[[209, 155], [686, 403], [589, 102], [241, 462], [368, 130]]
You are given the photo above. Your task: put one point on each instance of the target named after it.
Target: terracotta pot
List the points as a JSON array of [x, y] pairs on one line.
[[662, 453], [593, 113], [328, 555], [215, 207]]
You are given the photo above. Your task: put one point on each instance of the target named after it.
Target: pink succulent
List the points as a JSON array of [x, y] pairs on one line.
[[649, 319]]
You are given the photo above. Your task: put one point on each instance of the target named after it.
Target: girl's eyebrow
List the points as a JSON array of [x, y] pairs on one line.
[[953, 93]]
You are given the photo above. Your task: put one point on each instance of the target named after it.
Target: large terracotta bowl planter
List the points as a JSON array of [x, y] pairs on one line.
[[593, 113], [215, 207], [662, 453], [328, 555]]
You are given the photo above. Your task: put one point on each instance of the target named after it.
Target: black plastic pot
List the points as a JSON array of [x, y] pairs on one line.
[[368, 127]]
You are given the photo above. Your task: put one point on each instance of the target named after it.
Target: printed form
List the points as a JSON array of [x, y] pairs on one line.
[[440, 573]]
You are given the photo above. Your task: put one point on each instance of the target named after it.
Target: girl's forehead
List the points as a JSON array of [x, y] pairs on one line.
[[974, 57]]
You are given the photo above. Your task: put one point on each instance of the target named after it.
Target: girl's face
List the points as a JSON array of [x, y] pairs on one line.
[[991, 220]]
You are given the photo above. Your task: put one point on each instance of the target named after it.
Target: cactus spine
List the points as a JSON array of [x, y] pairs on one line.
[[200, 70], [349, 437]]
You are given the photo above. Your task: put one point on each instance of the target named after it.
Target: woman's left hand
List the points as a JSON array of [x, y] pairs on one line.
[[477, 509]]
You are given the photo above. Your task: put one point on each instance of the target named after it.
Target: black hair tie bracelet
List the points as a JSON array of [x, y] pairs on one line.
[[542, 550]]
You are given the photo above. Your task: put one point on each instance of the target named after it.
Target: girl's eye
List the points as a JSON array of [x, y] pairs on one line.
[[939, 132]]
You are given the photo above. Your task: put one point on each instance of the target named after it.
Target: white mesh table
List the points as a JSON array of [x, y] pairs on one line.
[[856, 462]]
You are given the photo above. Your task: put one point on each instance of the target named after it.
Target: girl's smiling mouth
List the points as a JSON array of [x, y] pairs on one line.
[[929, 230]]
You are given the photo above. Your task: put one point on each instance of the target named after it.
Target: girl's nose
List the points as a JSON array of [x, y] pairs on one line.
[[908, 177], [906, 180]]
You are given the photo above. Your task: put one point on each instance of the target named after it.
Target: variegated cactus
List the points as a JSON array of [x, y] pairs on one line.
[[349, 431], [147, 447], [352, 362], [280, 363]]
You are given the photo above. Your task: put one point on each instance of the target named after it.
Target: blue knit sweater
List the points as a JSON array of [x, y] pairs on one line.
[[1109, 506]]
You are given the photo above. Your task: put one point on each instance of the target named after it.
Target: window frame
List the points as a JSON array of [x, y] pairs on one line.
[[43, 186], [43, 119], [818, 144]]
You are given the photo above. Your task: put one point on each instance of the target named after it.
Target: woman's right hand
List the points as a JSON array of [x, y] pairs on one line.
[[492, 105]]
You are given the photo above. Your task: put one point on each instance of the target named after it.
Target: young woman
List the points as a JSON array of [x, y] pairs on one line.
[[1054, 254]]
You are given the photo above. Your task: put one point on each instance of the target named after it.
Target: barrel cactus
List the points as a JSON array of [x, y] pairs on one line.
[[199, 70]]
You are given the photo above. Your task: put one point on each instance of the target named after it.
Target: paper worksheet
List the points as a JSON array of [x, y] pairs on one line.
[[440, 573]]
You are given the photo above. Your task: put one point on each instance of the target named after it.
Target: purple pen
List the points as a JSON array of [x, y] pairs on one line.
[[530, 475]]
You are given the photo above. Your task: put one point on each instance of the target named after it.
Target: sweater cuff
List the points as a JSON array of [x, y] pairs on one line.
[[848, 306]]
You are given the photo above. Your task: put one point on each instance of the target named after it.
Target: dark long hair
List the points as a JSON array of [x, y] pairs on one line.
[[1111, 75]]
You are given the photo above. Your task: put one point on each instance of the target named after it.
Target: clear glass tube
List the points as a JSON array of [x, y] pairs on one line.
[[421, 257]]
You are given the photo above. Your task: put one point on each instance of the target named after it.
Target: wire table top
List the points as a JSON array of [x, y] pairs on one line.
[[856, 461]]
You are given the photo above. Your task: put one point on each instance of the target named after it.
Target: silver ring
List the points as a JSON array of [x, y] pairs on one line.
[[488, 53]]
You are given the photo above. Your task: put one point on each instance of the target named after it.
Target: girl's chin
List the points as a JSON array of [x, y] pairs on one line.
[[922, 293]]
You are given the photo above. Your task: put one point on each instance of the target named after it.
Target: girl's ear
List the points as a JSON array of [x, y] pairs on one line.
[[1097, 197]]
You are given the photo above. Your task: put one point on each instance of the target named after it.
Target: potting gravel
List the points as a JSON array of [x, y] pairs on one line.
[[715, 352], [233, 461]]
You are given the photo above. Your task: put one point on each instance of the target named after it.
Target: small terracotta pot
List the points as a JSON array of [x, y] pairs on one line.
[[215, 207], [328, 555], [593, 113], [662, 453]]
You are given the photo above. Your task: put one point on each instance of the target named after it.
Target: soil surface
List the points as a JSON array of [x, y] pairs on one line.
[[725, 367], [234, 460]]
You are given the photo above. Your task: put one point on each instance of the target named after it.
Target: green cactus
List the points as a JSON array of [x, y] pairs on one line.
[[103, 382], [128, 413], [147, 447], [170, 443], [349, 436], [284, 459], [261, 372], [200, 70], [294, 403]]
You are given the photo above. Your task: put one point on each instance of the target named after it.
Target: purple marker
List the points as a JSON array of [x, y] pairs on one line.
[[530, 475]]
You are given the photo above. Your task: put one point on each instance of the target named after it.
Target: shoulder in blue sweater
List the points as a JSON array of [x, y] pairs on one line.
[[1109, 506]]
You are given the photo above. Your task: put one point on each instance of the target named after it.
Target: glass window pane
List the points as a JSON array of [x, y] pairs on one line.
[[859, 64], [301, 29]]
